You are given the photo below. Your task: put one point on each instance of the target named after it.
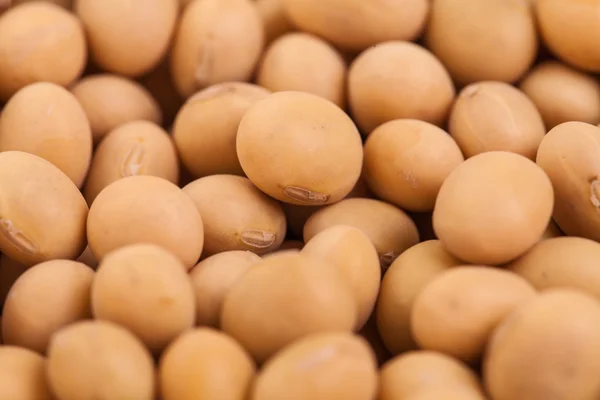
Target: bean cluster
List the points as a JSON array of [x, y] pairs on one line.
[[299, 200]]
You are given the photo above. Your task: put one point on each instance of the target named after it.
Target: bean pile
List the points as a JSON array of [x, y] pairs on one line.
[[300, 200]]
